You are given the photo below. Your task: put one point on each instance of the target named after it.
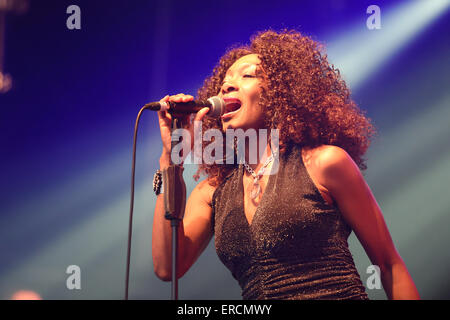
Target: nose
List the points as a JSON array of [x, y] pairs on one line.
[[228, 87]]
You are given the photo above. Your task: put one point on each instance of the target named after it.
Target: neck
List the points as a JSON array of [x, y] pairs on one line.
[[257, 159]]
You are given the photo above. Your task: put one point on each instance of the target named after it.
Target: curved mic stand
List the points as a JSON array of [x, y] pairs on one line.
[[174, 204]]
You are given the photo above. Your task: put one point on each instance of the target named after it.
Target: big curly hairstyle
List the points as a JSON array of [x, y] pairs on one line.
[[304, 97]]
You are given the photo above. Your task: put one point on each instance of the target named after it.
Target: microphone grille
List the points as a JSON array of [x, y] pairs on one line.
[[217, 107]]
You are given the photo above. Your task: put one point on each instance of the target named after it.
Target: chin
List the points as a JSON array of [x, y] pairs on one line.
[[234, 124], [227, 125]]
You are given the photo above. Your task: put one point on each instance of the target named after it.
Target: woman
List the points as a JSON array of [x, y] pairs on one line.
[[283, 232]]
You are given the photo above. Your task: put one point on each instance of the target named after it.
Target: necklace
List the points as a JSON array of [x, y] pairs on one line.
[[256, 188]]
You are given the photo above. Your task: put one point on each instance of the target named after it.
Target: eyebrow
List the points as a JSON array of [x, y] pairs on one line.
[[242, 67]]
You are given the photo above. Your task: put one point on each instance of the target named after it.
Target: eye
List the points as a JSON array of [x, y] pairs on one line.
[[249, 76]]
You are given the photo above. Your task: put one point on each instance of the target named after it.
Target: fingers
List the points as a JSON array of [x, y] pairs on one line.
[[200, 114], [181, 97], [165, 99], [161, 114]]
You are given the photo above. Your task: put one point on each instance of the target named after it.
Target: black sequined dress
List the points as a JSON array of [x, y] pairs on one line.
[[296, 246]]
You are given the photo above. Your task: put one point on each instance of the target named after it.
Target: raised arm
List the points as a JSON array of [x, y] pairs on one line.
[[195, 230]]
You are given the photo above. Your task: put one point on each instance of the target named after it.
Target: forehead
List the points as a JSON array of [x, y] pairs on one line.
[[243, 62]]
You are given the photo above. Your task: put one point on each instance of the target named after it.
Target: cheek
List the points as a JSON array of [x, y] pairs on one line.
[[253, 93]]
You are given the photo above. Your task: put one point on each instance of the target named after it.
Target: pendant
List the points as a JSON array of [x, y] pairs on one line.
[[256, 189]]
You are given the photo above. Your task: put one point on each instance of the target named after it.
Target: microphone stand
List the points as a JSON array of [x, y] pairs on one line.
[[174, 203]]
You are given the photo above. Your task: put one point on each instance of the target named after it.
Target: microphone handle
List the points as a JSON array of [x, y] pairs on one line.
[[178, 108]]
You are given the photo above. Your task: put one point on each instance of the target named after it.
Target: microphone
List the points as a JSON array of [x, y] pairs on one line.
[[215, 104]]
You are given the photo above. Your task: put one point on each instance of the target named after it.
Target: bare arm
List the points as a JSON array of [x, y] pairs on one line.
[[343, 179], [194, 231]]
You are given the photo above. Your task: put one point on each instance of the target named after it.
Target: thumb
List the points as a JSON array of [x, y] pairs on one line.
[[201, 113]]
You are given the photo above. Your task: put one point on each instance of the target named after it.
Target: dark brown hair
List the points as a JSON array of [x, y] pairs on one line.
[[304, 97]]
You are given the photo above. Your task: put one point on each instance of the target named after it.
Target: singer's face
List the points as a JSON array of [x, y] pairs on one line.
[[241, 90]]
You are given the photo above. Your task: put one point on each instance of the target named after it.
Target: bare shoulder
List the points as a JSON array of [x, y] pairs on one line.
[[325, 157], [329, 164], [326, 164], [324, 154]]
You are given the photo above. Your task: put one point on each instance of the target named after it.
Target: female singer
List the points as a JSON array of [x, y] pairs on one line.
[[283, 233]]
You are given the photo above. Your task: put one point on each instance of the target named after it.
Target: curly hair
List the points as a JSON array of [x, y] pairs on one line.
[[305, 98]]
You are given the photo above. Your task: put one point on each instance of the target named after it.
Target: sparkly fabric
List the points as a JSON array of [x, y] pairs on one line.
[[296, 246]]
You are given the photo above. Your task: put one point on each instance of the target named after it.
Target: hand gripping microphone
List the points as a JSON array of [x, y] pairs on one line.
[[215, 104]]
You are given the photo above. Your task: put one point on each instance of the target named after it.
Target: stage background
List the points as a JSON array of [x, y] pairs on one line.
[[67, 126]]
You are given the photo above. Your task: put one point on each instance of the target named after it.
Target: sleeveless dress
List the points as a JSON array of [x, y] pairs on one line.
[[296, 246]]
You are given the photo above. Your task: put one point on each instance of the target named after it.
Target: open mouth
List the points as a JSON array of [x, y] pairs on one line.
[[232, 106]]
